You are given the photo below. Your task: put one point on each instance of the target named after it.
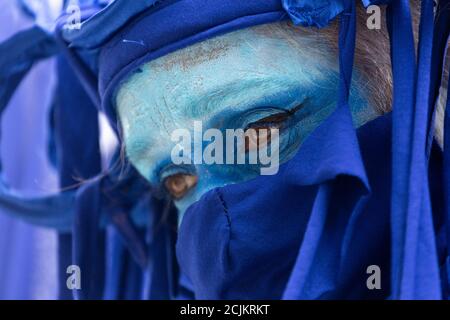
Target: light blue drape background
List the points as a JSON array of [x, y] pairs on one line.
[[27, 254]]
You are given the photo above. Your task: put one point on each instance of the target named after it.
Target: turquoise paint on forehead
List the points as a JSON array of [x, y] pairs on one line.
[[225, 82]]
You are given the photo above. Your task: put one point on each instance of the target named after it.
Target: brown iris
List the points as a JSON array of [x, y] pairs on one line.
[[178, 185]]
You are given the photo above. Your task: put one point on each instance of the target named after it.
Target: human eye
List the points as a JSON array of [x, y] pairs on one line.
[[259, 132]]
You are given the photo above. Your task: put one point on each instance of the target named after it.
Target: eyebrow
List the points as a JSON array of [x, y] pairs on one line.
[[269, 92]]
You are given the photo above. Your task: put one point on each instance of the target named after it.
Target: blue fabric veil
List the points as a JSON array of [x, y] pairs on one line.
[[378, 195]]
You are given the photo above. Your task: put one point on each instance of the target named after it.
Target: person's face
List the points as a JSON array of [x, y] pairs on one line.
[[243, 78]]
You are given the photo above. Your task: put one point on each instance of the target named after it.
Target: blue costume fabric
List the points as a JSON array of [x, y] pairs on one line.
[[379, 195]]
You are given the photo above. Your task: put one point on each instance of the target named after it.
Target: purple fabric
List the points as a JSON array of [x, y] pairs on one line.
[[27, 253]]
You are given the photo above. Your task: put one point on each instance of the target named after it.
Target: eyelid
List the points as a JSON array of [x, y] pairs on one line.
[[274, 119], [280, 113], [172, 169]]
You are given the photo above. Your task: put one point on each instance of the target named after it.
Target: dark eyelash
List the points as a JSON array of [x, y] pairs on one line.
[[295, 109], [275, 118]]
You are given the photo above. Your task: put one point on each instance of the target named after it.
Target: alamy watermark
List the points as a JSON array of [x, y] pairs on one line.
[[235, 146], [374, 280], [73, 281], [73, 12], [374, 20]]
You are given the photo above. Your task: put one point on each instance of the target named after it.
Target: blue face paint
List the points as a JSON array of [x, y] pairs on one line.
[[228, 82]]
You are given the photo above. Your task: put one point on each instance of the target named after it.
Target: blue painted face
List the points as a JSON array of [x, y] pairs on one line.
[[228, 82]]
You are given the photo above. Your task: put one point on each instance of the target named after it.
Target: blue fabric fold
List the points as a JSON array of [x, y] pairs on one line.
[[316, 13], [53, 211], [18, 54], [414, 259], [296, 237], [106, 21], [89, 242], [77, 148]]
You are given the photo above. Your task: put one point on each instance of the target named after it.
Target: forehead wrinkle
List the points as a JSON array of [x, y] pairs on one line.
[[142, 110], [186, 58], [236, 94], [139, 114], [164, 117], [204, 95]]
